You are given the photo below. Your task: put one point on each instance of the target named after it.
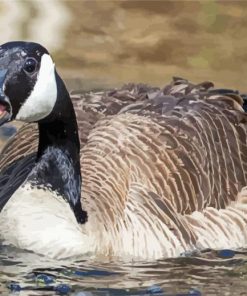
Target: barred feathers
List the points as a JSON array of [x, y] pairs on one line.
[[164, 170]]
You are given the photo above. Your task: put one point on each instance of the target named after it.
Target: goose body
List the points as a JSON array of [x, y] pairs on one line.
[[163, 171]]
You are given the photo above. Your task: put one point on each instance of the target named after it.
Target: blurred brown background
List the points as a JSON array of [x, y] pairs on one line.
[[107, 43], [112, 42]]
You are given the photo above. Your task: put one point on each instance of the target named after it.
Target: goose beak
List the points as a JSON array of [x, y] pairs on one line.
[[5, 107]]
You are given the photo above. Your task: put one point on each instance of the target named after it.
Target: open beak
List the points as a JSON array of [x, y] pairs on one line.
[[5, 107]]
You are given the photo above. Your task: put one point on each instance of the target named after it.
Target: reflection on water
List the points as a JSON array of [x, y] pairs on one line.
[[204, 274], [107, 43]]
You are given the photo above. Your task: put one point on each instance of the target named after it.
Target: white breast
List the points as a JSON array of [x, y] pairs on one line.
[[41, 221]]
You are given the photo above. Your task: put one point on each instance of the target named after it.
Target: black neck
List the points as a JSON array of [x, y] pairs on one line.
[[58, 157], [61, 133], [60, 127]]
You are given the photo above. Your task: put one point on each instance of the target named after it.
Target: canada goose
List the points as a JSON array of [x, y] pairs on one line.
[[163, 171]]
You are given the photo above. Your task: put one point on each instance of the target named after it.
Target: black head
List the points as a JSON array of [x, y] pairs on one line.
[[32, 91], [28, 82]]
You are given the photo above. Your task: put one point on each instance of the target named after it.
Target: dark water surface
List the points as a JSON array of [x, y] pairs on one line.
[[208, 273], [107, 43]]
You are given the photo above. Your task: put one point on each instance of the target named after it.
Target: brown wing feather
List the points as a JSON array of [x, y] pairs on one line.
[[185, 143]]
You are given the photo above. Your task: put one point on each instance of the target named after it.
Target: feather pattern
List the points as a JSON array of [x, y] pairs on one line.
[[163, 170]]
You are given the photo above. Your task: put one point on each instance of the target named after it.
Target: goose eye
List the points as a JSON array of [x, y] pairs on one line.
[[30, 65]]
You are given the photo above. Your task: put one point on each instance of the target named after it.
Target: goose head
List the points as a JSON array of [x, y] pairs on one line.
[[29, 84], [32, 91]]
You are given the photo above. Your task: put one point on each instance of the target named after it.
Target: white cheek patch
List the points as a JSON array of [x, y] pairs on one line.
[[42, 99]]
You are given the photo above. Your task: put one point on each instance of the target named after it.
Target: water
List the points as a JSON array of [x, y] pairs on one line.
[[208, 273], [99, 44]]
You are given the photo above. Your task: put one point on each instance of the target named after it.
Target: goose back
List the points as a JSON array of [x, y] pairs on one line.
[[154, 160]]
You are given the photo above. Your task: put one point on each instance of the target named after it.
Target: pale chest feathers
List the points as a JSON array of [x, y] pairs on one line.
[[42, 221]]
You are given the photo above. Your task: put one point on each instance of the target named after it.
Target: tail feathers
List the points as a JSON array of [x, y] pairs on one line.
[[224, 228], [173, 233], [154, 225]]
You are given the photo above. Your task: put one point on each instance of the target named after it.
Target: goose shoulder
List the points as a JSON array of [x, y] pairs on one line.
[[185, 142]]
